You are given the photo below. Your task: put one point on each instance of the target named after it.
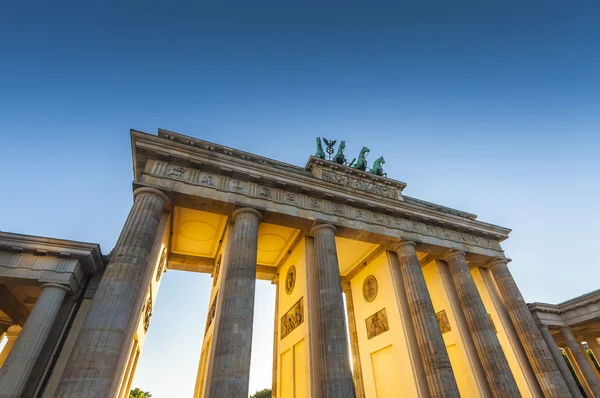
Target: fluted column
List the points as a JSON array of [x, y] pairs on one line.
[[11, 337], [560, 361], [545, 368], [234, 337], [438, 370], [26, 350], [94, 368], [497, 371], [275, 338], [580, 357], [359, 386], [335, 361]]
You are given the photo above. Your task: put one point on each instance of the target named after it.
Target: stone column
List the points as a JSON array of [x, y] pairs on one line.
[[94, 368], [234, 337], [335, 361], [359, 386], [580, 357], [11, 337], [4, 325], [560, 361], [275, 338], [497, 371], [26, 350], [438, 371], [545, 368]]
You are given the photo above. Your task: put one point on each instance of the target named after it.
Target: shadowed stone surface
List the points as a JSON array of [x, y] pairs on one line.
[[234, 337], [438, 371], [562, 365], [20, 361], [335, 361], [545, 368], [93, 368], [580, 357], [497, 371]]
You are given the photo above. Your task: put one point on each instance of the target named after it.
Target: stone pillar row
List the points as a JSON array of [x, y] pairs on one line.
[[438, 371], [545, 368], [582, 362], [562, 365], [497, 371], [335, 364], [234, 337], [94, 369], [26, 349]]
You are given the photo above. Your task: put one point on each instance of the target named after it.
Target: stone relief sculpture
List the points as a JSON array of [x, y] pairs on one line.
[[377, 167], [377, 324], [442, 319], [320, 154], [293, 318], [370, 288], [211, 312], [148, 312], [290, 280]]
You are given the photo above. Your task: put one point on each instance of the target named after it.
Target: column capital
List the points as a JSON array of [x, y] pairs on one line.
[[398, 245], [154, 191], [58, 286], [319, 227], [246, 210], [454, 253], [497, 261]]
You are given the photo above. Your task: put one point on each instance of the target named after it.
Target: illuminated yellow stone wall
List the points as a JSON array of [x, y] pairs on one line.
[[507, 347], [459, 358], [293, 350], [385, 359]]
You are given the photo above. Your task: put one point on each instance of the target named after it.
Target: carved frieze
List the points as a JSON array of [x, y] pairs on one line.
[[217, 269], [252, 189], [293, 318], [359, 184], [377, 324], [211, 312], [442, 319]]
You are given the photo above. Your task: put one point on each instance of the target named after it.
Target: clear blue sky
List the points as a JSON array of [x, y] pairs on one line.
[[493, 109]]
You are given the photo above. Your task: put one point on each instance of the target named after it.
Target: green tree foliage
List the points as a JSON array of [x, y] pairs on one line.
[[593, 358], [137, 393], [266, 393]]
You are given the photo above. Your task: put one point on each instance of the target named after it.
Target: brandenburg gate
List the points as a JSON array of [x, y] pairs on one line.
[[378, 294]]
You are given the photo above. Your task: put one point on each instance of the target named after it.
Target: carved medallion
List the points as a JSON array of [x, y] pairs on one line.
[[162, 264], [370, 288], [217, 269], [293, 318], [290, 280], [148, 312], [211, 312], [442, 319], [377, 324]]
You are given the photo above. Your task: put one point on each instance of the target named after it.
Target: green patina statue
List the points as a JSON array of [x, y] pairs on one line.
[[339, 157], [377, 167], [361, 163], [320, 154]]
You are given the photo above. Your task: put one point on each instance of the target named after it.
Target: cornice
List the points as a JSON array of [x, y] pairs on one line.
[[89, 254], [202, 155]]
